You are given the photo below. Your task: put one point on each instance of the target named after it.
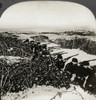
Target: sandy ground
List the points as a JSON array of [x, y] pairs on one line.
[[83, 56], [50, 93]]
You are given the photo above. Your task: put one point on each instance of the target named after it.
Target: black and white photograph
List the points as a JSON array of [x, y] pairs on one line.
[[47, 50]]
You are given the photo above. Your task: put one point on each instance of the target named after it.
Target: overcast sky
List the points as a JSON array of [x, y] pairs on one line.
[[91, 4], [48, 16]]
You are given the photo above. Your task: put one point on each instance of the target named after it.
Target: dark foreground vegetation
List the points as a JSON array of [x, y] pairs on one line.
[[42, 71], [23, 75]]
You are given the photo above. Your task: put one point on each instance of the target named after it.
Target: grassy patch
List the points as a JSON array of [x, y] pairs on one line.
[[81, 43]]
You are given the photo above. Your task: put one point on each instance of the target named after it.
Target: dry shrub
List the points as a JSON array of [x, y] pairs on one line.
[[19, 76], [81, 43]]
